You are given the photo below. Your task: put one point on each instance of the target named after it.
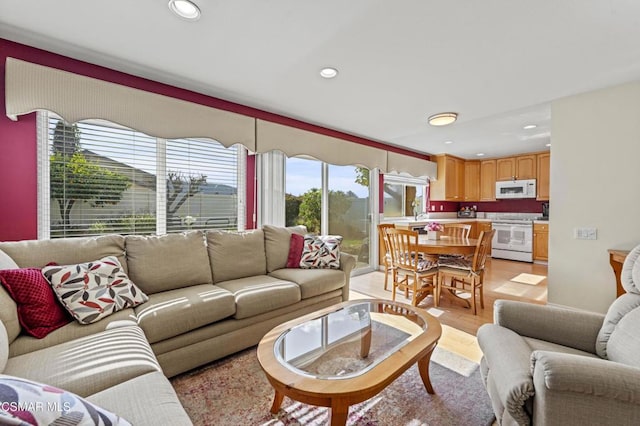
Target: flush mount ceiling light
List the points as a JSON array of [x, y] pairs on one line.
[[328, 72], [443, 119], [185, 9], [448, 142], [530, 126], [480, 154], [548, 144]]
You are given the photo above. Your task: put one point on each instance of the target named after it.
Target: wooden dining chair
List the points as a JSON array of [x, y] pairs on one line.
[[464, 275], [410, 272], [386, 260], [457, 230]]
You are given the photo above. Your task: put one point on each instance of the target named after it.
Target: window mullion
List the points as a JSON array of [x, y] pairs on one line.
[[161, 186], [324, 203]]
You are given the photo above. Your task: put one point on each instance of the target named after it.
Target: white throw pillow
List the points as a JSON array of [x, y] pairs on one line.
[[321, 251], [93, 290]]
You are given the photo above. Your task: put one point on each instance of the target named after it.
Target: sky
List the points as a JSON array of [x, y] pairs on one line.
[[303, 174]]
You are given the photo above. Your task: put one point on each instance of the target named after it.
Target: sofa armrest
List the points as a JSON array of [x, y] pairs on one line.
[[564, 326], [583, 390], [347, 263]]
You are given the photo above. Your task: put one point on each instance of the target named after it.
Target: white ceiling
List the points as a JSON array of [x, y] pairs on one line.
[[498, 63]]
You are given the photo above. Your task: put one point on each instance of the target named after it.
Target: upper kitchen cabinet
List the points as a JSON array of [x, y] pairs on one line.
[[543, 176], [520, 167], [488, 180], [449, 185], [471, 181]]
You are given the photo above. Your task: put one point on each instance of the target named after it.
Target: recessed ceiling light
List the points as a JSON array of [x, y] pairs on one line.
[[443, 118], [185, 9], [530, 126], [480, 154], [328, 72], [448, 142], [548, 144]]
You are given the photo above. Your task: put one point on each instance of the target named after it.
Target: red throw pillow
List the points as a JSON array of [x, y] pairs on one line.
[[295, 251], [39, 311]]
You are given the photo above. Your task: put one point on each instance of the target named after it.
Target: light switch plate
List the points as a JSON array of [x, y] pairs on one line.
[[585, 233]]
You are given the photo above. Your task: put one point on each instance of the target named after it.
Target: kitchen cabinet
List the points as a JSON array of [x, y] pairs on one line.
[[449, 186], [488, 180], [541, 241], [472, 181], [543, 165], [520, 167]]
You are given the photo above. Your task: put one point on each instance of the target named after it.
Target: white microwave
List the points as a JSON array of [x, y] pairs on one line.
[[525, 188]]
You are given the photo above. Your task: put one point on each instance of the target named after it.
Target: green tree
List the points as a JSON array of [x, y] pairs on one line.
[[362, 176], [292, 209], [74, 178], [310, 209]]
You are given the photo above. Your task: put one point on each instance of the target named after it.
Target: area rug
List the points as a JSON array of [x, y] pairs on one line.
[[529, 279], [234, 391]]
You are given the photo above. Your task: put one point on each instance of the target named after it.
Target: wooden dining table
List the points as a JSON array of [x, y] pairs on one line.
[[446, 245]]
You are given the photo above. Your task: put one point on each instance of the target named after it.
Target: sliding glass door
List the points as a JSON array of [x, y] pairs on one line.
[[332, 200]]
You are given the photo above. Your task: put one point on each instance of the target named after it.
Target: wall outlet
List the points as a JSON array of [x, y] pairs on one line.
[[585, 233], [441, 207]]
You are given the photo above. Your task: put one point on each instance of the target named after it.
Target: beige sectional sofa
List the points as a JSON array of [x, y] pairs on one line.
[[210, 294]]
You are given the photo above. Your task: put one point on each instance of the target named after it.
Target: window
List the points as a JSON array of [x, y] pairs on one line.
[[97, 177], [333, 200], [403, 196]]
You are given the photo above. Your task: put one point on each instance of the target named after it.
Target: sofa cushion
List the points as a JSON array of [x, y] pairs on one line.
[[261, 293], [89, 364], [174, 312], [167, 262], [52, 406], [38, 308], [8, 307], [93, 290], [276, 244], [312, 282], [147, 400], [71, 331], [321, 251], [64, 251], [236, 254]]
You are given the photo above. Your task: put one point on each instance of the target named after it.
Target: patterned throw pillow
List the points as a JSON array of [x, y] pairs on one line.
[[29, 403], [39, 311], [321, 251], [91, 291]]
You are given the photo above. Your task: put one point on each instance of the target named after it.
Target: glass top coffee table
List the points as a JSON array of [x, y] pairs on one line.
[[347, 353]]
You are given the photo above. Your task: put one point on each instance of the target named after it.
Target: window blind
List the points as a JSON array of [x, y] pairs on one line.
[[102, 179]]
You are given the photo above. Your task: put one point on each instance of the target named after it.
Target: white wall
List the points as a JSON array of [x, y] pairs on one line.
[[595, 182]]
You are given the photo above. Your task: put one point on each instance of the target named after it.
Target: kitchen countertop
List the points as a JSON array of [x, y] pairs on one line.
[[406, 223]]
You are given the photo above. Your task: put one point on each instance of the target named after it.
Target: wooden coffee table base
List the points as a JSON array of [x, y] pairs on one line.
[[339, 394], [340, 404]]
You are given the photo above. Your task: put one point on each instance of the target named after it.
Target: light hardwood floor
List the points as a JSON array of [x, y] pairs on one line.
[[459, 323]]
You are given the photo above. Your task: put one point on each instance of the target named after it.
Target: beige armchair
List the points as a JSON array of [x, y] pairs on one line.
[[547, 365]]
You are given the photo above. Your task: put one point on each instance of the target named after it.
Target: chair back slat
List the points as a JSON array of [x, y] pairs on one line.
[[482, 250], [382, 229], [403, 247], [457, 230]]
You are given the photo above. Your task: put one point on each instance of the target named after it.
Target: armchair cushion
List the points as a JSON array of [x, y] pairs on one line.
[[624, 343], [568, 327], [513, 380], [617, 311]]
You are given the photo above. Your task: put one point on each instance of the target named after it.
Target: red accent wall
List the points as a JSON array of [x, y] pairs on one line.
[[251, 211], [528, 205], [18, 167]]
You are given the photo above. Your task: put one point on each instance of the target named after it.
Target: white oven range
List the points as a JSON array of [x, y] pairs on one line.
[[513, 239]]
